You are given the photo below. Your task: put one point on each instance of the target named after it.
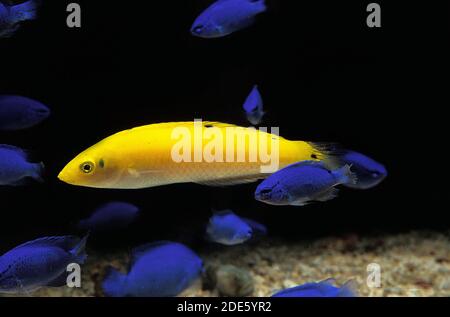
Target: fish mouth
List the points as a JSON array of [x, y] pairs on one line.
[[64, 177]]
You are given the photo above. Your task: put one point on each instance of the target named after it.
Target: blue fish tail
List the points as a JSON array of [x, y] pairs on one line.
[[114, 282], [24, 11], [349, 289], [345, 175], [79, 251], [37, 171], [260, 6]]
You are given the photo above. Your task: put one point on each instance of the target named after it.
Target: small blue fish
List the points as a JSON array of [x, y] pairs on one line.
[[15, 168], [301, 183], [226, 228], [12, 16], [39, 263], [227, 16], [161, 269], [18, 113], [369, 172], [253, 107], [110, 216], [320, 289]]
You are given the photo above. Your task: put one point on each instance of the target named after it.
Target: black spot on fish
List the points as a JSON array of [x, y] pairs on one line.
[[314, 156], [208, 125], [101, 163]]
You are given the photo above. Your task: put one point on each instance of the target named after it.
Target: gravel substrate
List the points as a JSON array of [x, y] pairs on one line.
[[413, 264]]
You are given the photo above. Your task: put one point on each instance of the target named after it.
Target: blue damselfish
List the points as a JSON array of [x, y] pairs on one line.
[[253, 106], [301, 183], [369, 172], [110, 216], [224, 17], [39, 263], [225, 227], [161, 269], [12, 15], [17, 112], [15, 168]]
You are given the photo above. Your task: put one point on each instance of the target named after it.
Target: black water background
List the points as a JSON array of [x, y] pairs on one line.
[[324, 76]]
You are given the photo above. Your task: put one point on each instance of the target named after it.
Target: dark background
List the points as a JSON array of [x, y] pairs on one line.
[[324, 76]]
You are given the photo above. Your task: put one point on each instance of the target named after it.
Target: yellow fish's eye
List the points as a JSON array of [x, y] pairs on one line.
[[87, 167]]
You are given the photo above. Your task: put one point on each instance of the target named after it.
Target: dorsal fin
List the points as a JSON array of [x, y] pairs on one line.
[[329, 281], [16, 149], [223, 182], [65, 242], [307, 163]]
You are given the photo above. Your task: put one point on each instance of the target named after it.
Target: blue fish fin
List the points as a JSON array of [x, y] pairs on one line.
[[345, 175], [9, 32], [327, 195], [300, 203], [24, 11], [329, 281], [16, 149], [21, 182], [328, 153], [223, 182], [79, 251], [37, 171], [59, 281], [114, 283], [260, 5], [349, 289], [64, 242]]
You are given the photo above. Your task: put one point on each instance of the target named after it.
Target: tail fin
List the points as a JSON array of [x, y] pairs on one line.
[[38, 171], [114, 282], [328, 153], [349, 289], [260, 5], [345, 175], [80, 250], [25, 11]]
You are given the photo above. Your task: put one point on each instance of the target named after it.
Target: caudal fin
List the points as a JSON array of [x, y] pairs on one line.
[[80, 250], [261, 5], [114, 283], [349, 289], [25, 11], [38, 171], [345, 175], [327, 153]]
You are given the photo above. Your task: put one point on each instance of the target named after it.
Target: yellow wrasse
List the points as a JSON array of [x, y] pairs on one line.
[[210, 153]]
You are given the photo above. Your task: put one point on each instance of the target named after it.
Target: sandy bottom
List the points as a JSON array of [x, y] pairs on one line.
[[413, 264]]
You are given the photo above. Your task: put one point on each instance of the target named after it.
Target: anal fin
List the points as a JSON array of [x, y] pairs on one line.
[[222, 182], [327, 195]]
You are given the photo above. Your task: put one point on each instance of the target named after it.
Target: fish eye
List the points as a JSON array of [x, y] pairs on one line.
[[87, 167]]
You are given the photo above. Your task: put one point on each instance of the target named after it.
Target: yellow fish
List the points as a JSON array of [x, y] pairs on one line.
[[209, 153]]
